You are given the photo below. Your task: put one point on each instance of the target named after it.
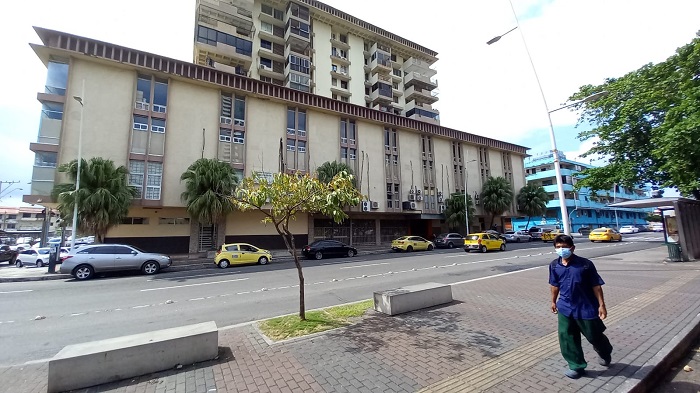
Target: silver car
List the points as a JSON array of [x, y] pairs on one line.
[[518, 236], [84, 262]]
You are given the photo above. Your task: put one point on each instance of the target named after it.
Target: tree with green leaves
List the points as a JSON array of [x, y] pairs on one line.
[[208, 184], [454, 210], [104, 196], [532, 201], [288, 195], [327, 171], [496, 196], [648, 126]]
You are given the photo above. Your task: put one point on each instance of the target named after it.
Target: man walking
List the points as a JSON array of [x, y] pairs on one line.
[[577, 298]]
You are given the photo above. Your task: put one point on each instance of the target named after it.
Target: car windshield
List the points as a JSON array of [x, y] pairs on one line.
[[473, 237], [599, 231], [510, 233], [402, 238]]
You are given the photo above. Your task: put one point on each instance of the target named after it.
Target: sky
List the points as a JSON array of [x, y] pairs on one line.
[[488, 90]]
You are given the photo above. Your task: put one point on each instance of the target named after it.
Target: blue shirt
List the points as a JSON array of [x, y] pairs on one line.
[[575, 282]]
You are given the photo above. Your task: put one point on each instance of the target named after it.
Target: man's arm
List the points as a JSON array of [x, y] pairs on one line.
[[598, 292], [555, 294]]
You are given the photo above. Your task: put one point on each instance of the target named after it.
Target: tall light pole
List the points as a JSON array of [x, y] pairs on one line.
[[555, 152], [74, 227], [466, 207]]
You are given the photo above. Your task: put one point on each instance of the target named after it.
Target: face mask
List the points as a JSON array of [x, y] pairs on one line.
[[563, 252]]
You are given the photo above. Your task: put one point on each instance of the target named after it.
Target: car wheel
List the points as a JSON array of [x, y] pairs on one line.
[[19, 263], [430, 247], [450, 245], [150, 267], [503, 247], [351, 253], [318, 255], [483, 249], [409, 248], [263, 260], [467, 250], [83, 272], [223, 264], [39, 263]]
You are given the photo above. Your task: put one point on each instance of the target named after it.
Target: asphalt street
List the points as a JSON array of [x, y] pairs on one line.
[[39, 318]]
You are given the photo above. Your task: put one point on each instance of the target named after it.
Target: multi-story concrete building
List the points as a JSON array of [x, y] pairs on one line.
[[586, 209], [309, 46], [157, 115], [26, 221]]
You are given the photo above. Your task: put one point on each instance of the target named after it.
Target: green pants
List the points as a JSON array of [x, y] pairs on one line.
[[570, 330]]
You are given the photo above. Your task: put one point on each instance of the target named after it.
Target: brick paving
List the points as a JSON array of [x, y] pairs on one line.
[[498, 336]]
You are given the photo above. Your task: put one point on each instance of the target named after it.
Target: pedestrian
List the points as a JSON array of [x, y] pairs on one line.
[[577, 298]]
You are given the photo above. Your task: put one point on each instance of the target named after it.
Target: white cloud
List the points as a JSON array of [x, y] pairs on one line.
[[487, 90]]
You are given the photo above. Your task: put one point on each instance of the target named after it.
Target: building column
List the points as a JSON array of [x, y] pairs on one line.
[[194, 236], [378, 231]]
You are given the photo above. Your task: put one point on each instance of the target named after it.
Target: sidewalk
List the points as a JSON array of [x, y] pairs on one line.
[[497, 336]]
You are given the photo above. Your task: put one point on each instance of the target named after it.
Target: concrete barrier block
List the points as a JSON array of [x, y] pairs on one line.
[[411, 298], [97, 362]]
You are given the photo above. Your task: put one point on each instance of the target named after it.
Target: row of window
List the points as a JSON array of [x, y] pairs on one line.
[[210, 36], [161, 221], [152, 172]]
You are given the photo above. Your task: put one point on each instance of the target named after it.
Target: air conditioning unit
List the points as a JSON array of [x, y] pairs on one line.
[[365, 206], [413, 206], [440, 198], [441, 208], [411, 197], [264, 67], [374, 204], [476, 199], [419, 197]]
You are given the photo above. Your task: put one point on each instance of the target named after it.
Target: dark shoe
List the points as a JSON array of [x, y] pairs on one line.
[[574, 374], [604, 361]]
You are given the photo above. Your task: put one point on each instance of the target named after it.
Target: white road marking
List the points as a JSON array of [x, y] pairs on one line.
[[327, 263], [495, 275], [22, 291], [144, 306], [199, 275], [193, 285], [371, 264], [197, 298]]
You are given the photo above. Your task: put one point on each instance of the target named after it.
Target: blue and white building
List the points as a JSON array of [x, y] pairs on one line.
[[585, 208]]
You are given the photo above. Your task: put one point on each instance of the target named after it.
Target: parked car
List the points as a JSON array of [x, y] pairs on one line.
[[483, 242], [240, 254], [412, 243], [536, 232], [84, 262], [629, 229], [328, 248], [496, 233], [449, 240], [8, 255], [549, 236], [604, 234], [517, 236], [656, 227]]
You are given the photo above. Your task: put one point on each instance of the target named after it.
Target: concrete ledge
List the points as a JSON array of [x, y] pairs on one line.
[[97, 362], [411, 298]]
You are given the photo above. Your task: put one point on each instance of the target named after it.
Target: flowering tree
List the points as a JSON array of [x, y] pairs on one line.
[[287, 195]]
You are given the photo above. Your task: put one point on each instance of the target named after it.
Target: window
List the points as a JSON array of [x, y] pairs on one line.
[[266, 44], [334, 82], [334, 68], [343, 84], [26, 215], [155, 176], [266, 62], [52, 110], [291, 145], [160, 96], [158, 125], [238, 137], [211, 37], [56, 78], [224, 135], [45, 159], [140, 123], [353, 154], [266, 27], [344, 153], [239, 111], [136, 172], [301, 146], [132, 221], [173, 221]]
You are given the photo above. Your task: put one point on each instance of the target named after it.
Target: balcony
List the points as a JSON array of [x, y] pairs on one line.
[[223, 54], [374, 78], [218, 15], [341, 75], [303, 50], [419, 66], [337, 41], [380, 65], [422, 112], [420, 95], [297, 35], [275, 53], [377, 98], [49, 131], [420, 80], [306, 71], [52, 94], [337, 58], [276, 71], [276, 35]]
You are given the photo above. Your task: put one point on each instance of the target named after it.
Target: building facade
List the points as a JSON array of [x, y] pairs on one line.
[[26, 221], [309, 46], [586, 209], [156, 116]]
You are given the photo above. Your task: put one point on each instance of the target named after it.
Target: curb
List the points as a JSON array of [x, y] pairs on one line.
[[48, 276], [661, 363]]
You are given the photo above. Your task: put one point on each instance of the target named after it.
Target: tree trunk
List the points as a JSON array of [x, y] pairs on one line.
[[291, 247], [528, 223], [493, 218]]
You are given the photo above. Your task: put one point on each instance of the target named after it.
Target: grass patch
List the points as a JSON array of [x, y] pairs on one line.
[[291, 326]]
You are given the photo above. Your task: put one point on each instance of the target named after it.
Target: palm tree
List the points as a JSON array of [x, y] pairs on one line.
[[208, 185], [327, 171], [454, 210], [104, 196], [532, 200], [497, 196]]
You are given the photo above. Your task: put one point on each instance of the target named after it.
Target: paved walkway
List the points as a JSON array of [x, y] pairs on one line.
[[497, 336]]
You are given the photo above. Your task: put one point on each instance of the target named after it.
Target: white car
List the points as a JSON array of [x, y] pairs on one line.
[[38, 257], [628, 229]]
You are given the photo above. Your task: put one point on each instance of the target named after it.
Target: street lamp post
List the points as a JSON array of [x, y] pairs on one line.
[[466, 207], [555, 151], [74, 227]]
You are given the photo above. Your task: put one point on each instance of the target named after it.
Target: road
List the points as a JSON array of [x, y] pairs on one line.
[[120, 304]]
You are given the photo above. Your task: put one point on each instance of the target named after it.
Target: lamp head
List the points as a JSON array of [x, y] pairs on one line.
[[79, 99]]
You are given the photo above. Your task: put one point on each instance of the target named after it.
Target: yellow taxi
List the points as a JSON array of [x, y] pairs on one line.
[[604, 235], [240, 254], [549, 236], [483, 242], [411, 243]]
